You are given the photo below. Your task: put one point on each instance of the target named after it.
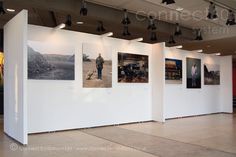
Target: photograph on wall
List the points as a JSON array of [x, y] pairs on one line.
[[211, 74], [132, 68], [173, 71], [193, 73], [50, 61], [97, 66]]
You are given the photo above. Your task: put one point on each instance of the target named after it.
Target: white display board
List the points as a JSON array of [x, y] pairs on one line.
[[15, 74]]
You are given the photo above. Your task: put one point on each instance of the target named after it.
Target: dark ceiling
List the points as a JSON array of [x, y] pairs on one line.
[[51, 13]]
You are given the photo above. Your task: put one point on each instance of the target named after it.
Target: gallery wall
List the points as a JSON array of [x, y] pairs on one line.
[[179, 101], [60, 105]]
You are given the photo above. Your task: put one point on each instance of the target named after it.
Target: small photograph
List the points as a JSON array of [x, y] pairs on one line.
[[132, 68], [97, 66], [193, 73], [50, 62], [173, 71], [211, 74]]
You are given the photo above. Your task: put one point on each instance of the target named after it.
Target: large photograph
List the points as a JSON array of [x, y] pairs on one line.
[[211, 74], [132, 68], [97, 66], [50, 61], [173, 71], [193, 73]]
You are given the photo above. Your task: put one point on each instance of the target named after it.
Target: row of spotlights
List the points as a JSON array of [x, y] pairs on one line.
[[212, 14]]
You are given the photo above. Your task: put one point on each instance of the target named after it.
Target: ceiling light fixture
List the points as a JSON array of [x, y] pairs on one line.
[[199, 51], [172, 40], [126, 20], [60, 26], [231, 18], [84, 10], [178, 31], [218, 54], [153, 36], [212, 14], [2, 10], [80, 23], [109, 34], [100, 27], [198, 35], [11, 10], [179, 9], [151, 25], [138, 39], [168, 1], [68, 21], [126, 31]]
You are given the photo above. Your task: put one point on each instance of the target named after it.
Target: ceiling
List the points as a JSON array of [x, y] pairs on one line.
[[52, 13]]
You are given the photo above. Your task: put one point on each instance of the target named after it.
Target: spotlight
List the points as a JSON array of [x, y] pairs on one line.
[[84, 10], [100, 27], [126, 31], [2, 10], [68, 21], [199, 35], [168, 1], [172, 40], [151, 25], [153, 36], [212, 11], [231, 18], [178, 30], [125, 20]]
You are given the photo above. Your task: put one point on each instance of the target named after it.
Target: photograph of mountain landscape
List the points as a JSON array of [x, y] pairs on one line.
[[50, 61], [211, 74]]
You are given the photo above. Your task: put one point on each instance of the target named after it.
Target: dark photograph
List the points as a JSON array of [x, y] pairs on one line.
[[173, 71], [50, 62], [211, 74], [97, 66], [132, 68], [193, 73]]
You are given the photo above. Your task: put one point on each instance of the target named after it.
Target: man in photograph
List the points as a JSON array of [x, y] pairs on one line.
[[194, 75], [99, 66]]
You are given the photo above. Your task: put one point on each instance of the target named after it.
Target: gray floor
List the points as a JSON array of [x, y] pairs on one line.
[[206, 136]]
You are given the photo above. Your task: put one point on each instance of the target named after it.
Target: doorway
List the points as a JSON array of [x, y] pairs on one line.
[[234, 85]]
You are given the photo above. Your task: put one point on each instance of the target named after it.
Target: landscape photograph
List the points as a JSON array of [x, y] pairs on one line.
[[211, 74], [97, 66], [132, 68], [173, 71], [50, 61]]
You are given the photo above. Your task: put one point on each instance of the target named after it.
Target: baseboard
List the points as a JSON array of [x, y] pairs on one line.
[[200, 115]]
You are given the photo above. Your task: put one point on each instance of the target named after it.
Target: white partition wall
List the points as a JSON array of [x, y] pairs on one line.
[[181, 102], [61, 105], [15, 71], [158, 81]]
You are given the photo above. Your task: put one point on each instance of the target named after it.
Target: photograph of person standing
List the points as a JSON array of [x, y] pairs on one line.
[[99, 66], [193, 73]]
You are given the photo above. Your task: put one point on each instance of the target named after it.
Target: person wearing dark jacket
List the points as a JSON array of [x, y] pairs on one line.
[[99, 66]]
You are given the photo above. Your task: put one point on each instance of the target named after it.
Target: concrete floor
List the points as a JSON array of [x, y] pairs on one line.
[[206, 136]]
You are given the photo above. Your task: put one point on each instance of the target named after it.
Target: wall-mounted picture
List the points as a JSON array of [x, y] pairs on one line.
[[50, 61], [132, 68], [173, 71], [193, 73], [211, 74], [97, 66]]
